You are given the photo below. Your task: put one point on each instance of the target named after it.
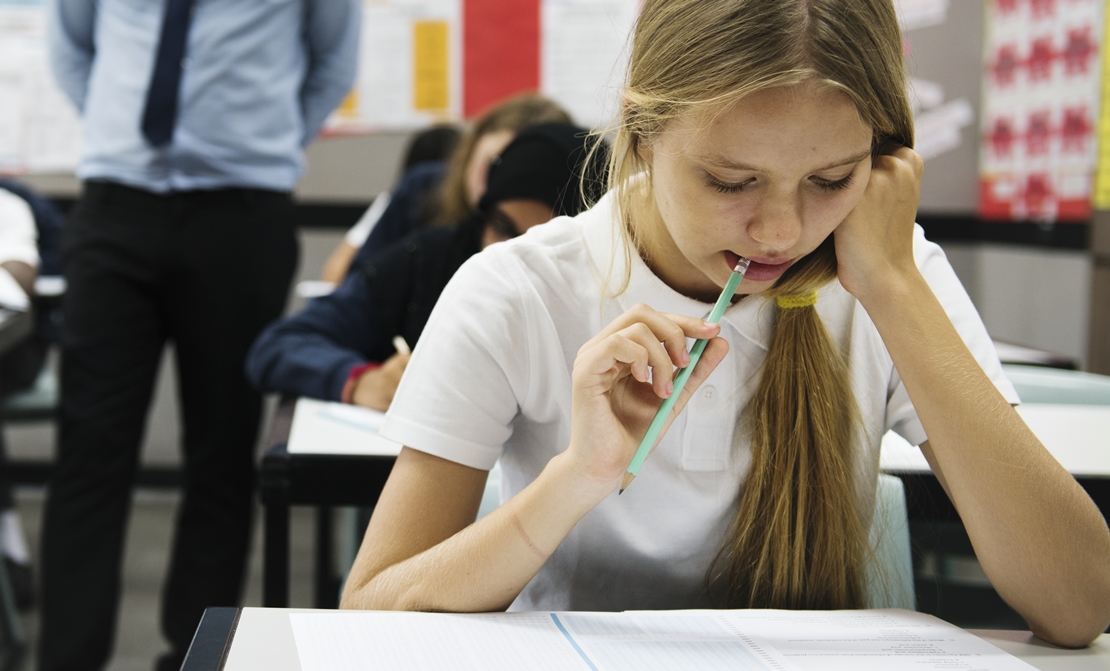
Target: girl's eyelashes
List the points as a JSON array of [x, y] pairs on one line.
[[827, 185], [724, 187], [833, 185]]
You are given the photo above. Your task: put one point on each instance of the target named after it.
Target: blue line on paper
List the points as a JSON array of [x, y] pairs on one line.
[[573, 642]]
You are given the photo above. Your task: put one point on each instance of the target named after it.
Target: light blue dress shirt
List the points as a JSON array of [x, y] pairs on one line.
[[260, 77]]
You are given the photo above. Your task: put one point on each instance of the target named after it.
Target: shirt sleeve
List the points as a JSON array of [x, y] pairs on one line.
[[312, 352], [458, 397], [72, 48], [332, 34], [901, 416], [18, 236]]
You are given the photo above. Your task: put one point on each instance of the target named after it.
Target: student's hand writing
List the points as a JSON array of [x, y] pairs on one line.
[[874, 244], [620, 379], [375, 389]]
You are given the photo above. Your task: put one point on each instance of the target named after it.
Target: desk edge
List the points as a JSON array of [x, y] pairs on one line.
[[212, 641]]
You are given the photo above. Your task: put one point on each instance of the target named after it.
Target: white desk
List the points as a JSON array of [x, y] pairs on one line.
[[262, 640], [1077, 435], [324, 427]]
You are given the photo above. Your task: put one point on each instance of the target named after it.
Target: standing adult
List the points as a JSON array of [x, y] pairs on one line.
[[195, 113]]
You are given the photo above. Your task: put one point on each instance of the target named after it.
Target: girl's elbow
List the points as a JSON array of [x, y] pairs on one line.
[[1072, 633], [1078, 625]]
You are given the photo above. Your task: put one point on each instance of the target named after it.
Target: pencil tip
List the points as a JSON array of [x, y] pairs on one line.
[[628, 477], [620, 492]]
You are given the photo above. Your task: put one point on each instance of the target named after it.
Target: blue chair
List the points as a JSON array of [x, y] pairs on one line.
[[491, 497], [39, 402], [890, 574]]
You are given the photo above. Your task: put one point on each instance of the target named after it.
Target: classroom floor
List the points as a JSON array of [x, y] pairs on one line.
[[138, 639]]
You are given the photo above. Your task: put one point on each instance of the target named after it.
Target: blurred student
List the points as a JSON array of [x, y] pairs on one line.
[[195, 115], [19, 366], [341, 346], [425, 157], [457, 185]]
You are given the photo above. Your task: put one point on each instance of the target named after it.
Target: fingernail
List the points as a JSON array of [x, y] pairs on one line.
[[670, 388]]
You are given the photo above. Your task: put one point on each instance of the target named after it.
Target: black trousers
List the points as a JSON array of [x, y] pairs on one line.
[[205, 270]]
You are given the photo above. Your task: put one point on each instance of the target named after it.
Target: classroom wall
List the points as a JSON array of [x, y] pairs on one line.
[[1032, 296], [1028, 295], [339, 170], [949, 54]]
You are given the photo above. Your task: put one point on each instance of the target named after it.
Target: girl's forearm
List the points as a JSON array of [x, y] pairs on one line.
[[1040, 538], [486, 565]]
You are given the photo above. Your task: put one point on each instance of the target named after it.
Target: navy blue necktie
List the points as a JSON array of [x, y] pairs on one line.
[[160, 113]]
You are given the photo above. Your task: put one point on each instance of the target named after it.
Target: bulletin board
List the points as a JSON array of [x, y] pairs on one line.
[[1041, 95], [420, 62], [423, 61]]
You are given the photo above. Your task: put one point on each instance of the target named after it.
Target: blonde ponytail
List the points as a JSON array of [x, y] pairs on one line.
[[798, 540]]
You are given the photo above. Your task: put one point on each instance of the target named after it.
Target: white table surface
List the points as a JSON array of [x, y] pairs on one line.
[[1077, 435], [263, 641], [324, 427]]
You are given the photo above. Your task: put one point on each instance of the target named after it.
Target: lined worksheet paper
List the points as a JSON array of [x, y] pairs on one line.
[[642, 641]]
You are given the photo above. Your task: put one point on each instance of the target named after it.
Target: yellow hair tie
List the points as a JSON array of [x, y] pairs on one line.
[[799, 301]]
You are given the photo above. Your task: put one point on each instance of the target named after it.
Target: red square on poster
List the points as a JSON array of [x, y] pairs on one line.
[[501, 51]]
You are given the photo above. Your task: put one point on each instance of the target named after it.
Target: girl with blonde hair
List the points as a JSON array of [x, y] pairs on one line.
[[777, 131], [443, 192]]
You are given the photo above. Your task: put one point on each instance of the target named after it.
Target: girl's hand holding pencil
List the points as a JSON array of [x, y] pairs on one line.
[[621, 378]]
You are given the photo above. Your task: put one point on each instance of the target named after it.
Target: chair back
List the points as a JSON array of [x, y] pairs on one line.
[[491, 497], [890, 575]]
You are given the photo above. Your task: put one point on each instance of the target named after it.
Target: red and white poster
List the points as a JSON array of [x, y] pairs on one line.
[[1041, 90]]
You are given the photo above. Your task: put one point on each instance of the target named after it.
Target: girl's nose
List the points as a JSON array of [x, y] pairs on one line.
[[778, 223]]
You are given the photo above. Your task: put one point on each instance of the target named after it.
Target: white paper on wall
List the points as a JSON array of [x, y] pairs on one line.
[[410, 67], [40, 130], [583, 55]]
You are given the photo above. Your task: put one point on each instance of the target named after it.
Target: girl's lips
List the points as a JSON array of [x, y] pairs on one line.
[[759, 271]]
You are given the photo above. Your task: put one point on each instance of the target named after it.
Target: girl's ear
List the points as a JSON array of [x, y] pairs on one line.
[[644, 151]]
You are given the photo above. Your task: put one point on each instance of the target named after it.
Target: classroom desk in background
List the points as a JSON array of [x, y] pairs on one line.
[[1075, 434], [262, 639], [324, 455]]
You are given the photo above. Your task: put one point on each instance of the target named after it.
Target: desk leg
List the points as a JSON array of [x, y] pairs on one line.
[[327, 584], [275, 562]]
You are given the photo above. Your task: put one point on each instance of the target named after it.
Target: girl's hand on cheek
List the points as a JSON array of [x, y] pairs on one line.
[[874, 244], [620, 379]]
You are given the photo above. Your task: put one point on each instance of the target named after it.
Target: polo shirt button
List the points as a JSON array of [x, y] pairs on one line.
[[709, 393]]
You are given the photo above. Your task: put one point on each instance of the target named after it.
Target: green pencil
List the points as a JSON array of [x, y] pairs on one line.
[[656, 426]]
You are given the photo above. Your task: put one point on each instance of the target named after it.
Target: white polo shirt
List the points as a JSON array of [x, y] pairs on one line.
[[491, 378]]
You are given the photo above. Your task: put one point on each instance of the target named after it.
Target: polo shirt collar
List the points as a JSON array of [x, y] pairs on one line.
[[751, 318]]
